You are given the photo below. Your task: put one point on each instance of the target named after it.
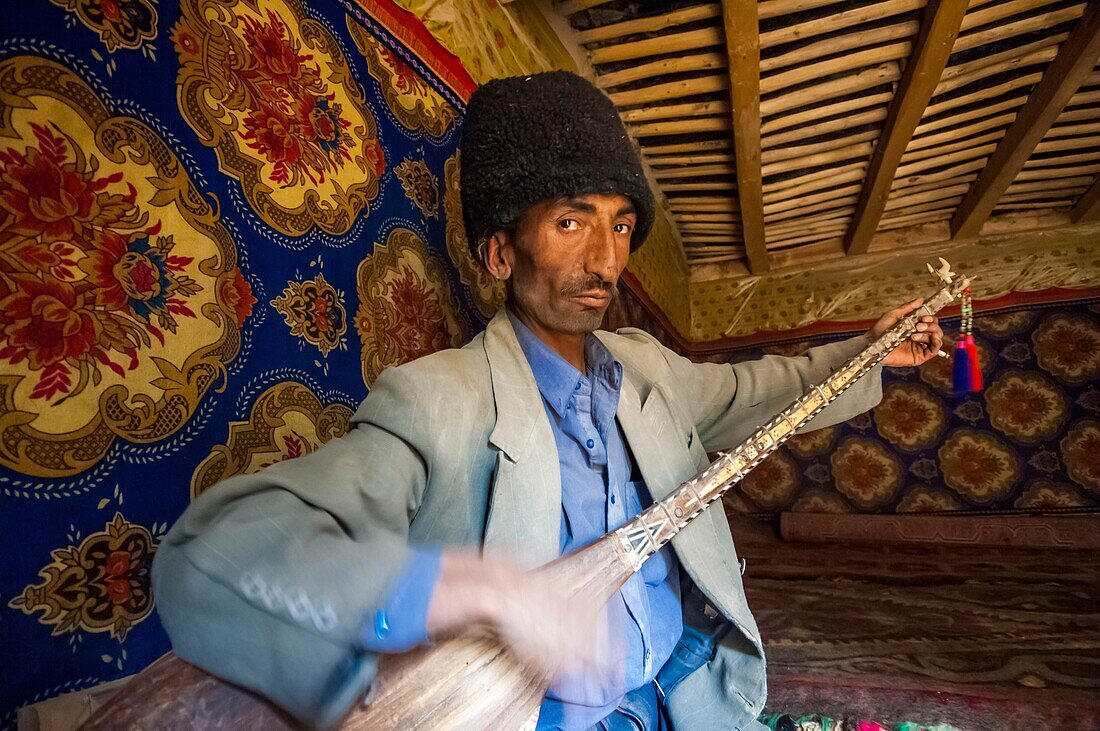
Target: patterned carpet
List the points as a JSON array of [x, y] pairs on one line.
[[979, 638]]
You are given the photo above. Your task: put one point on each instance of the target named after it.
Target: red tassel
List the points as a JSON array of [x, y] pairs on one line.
[[975, 367]]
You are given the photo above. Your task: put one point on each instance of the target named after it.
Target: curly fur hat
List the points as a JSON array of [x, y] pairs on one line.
[[526, 139]]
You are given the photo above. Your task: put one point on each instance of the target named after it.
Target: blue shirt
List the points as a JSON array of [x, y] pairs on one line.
[[601, 491]]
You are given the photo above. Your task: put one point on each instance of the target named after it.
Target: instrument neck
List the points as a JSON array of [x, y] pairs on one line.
[[648, 532]]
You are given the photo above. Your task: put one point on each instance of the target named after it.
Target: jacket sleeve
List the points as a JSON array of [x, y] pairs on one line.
[[269, 579], [727, 403]]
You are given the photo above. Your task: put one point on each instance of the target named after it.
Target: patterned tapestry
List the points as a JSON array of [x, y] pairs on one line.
[[1030, 441], [219, 221]]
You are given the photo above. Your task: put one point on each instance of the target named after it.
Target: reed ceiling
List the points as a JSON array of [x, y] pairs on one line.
[[791, 131]]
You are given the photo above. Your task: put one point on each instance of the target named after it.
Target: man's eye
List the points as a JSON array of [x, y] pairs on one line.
[[569, 224], [622, 228]]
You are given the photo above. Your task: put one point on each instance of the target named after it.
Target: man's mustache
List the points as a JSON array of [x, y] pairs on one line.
[[589, 285]]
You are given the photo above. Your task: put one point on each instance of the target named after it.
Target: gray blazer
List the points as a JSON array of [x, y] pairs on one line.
[[267, 579]]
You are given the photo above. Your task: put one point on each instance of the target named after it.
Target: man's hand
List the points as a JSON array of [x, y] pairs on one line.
[[923, 344], [556, 634]]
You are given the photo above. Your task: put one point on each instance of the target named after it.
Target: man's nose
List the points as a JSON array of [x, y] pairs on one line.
[[602, 254]]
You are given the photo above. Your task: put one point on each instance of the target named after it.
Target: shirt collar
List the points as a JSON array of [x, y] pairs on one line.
[[556, 378]]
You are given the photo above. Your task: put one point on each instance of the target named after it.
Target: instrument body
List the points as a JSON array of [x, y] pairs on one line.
[[473, 680]]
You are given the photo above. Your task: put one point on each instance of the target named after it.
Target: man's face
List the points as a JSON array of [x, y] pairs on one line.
[[565, 259]]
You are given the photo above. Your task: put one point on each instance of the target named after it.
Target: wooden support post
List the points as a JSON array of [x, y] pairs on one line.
[[1088, 207], [742, 28], [1073, 64], [939, 28]]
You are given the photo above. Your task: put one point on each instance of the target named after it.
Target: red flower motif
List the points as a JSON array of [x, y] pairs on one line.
[[118, 564], [273, 134], [45, 323], [236, 293], [276, 59], [45, 196], [422, 328], [118, 590]]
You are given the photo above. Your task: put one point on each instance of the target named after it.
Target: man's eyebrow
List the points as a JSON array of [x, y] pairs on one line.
[[577, 204], [628, 208]]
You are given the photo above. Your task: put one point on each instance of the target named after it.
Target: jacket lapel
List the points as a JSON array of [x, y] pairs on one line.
[[663, 459], [524, 520]]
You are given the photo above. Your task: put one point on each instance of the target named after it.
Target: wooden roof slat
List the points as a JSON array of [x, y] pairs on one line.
[[1087, 208], [982, 114], [965, 179], [704, 159], [1081, 181], [1075, 60], [1040, 56], [664, 67], [1000, 11], [1052, 143], [914, 220], [690, 40], [1082, 98], [702, 199], [1072, 192], [813, 95], [830, 217], [939, 28], [1061, 160], [850, 152], [716, 185], [847, 202], [569, 7], [687, 147], [989, 92], [837, 124], [809, 72], [742, 31], [935, 194], [1055, 173], [903, 182], [794, 187], [807, 238], [844, 20], [650, 24], [917, 144], [775, 154], [944, 147], [967, 41], [940, 204], [839, 44], [800, 120], [692, 171], [1033, 206], [708, 217], [772, 207], [680, 126], [938, 161], [671, 90], [675, 111], [775, 8]]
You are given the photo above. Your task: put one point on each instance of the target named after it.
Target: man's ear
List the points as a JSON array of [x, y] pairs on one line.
[[498, 255]]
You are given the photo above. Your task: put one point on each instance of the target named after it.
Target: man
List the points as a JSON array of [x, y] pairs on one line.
[[536, 438]]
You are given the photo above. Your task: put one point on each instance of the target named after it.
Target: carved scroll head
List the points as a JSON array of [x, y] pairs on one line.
[[944, 273]]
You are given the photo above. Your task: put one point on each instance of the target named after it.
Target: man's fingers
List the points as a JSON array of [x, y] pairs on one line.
[[908, 307]]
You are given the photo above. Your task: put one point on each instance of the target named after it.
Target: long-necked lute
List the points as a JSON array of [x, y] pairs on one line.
[[473, 681]]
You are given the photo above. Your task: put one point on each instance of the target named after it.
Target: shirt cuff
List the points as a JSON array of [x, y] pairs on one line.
[[400, 624]]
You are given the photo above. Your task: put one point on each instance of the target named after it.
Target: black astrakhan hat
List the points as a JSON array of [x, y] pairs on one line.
[[526, 139]]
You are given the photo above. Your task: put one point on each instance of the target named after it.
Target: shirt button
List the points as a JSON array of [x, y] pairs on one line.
[[381, 624], [612, 499], [590, 443]]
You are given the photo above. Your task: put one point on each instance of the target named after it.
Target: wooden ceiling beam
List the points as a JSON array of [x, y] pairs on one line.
[[1088, 207], [1075, 61], [939, 29], [742, 26]]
